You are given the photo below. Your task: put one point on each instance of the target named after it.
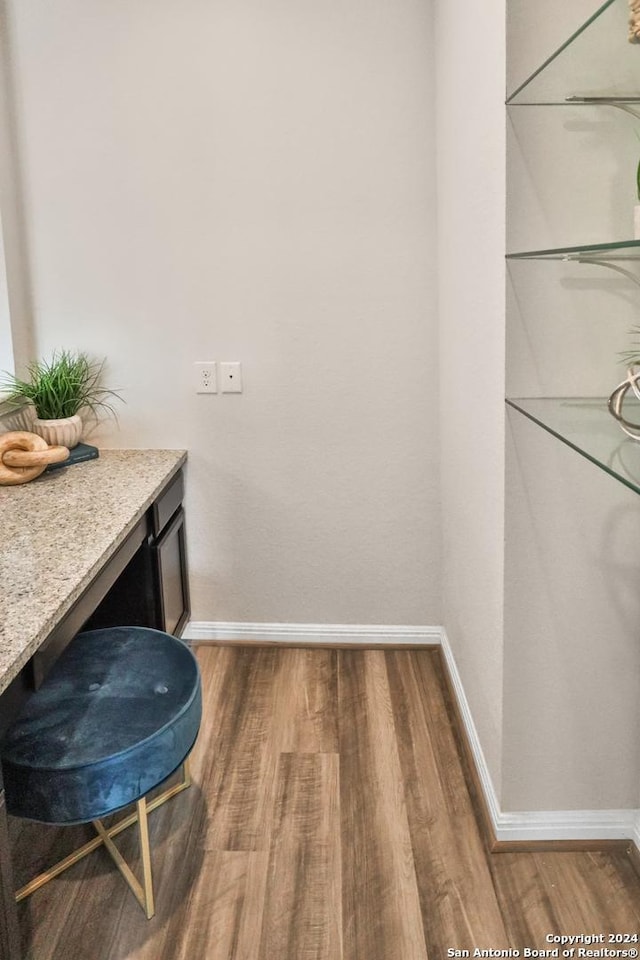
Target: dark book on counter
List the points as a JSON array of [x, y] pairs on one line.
[[80, 453]]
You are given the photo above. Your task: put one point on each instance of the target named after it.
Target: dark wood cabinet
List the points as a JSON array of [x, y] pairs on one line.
[[9, 935], [169, 563], [153, 589]]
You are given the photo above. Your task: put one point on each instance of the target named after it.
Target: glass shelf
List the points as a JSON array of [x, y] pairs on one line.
[[586, 426], [620, 250], [597, 64]]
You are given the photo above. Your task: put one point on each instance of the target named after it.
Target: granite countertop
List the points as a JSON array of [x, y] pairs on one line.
[[58, 531]]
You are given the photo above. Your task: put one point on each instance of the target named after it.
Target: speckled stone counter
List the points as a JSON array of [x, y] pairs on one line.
[[56, 534]]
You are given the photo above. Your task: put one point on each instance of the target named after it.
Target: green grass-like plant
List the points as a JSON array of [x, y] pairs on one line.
[[62, 386], [632, 356]]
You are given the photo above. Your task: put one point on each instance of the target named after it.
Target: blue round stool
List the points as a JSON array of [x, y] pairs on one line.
[[118, 714]]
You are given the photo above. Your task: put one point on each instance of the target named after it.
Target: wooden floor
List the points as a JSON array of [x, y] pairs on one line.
[[329, 820]]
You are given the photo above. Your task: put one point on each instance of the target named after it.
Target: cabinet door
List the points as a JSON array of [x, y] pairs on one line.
[[171, 571]]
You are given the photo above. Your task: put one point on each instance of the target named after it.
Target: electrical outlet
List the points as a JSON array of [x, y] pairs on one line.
[[231, 377], [204, 377]]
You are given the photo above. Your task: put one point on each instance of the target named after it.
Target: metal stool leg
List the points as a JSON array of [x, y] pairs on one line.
[[145, 850], [143, 893]]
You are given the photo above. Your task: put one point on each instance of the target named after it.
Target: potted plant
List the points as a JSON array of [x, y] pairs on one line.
[[60, 390]]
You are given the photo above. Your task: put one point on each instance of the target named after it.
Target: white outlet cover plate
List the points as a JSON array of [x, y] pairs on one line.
[[205, 379]]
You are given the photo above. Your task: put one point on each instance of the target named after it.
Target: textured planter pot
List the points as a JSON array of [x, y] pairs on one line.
[[636, 222], [19, 419], [65, 432]]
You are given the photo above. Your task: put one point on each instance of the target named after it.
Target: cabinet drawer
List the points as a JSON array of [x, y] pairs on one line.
[[167, 504]]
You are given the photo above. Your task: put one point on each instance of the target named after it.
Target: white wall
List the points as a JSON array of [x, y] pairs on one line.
[[252, 182], [572, 609], [6, 342], [16, 335], [471, 222]]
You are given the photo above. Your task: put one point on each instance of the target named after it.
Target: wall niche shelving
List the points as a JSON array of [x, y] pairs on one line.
[[596, 68]]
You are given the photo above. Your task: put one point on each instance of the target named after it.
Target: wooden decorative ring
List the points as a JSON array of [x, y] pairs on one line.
[[24, 456], [34, 458]]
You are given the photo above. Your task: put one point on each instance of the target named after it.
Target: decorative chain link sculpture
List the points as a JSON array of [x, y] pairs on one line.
[[617, 398], [24, 456]]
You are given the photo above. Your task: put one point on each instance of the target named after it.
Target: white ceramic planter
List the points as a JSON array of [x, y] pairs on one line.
[[636, 222], [20, 419], [65, 432]]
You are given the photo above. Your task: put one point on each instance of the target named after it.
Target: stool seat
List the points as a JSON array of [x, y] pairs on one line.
[[117, 714]]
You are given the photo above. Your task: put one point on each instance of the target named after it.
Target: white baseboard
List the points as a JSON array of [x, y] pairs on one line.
[[338, 633], [482, 768], [636, 831], [567, 825], [537, 824], [520, 825]]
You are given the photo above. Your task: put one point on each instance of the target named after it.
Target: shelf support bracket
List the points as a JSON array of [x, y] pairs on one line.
[[606, 263], [622, 103]]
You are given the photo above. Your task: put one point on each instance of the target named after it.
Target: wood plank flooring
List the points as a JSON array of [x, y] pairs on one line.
[[329, 820]]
